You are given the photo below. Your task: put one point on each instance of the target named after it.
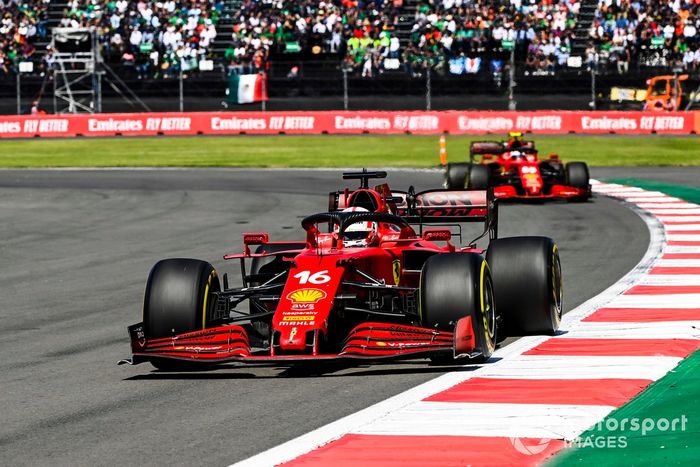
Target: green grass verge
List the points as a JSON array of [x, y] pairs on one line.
[[685, 192], [672, 398], [327, 151]]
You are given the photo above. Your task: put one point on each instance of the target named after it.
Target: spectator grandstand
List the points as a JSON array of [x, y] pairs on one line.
[[22, 27], [652, 33], [149, 38]]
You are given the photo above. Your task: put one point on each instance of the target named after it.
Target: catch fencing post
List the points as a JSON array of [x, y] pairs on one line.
[[182, 92], [428, 103], [512, 104], [263, 102], [345, 88], [593, 87], [19, 88]]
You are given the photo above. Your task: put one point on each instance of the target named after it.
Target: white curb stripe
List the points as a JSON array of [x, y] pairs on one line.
[[678, 263], [653, 199], [581, 367], [682, 249], [644, 195], [683, 227], [661, 212], [679, 219], [625, 330], [671, 279], [510, 420], [683, 237], [667, 205], [656, 301]]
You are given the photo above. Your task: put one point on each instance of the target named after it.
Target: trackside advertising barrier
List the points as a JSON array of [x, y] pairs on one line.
[[267, 123]]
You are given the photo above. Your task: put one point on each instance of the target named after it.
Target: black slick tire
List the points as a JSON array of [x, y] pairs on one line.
[[527, 283], [178, 300], [456, 285], [578, 176], [456, 175], [479, 177]]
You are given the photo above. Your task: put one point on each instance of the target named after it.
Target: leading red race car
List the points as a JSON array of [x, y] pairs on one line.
[[368, 287], [514, 170]]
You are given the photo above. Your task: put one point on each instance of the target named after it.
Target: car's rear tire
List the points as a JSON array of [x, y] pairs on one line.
[[456, 175], [456, 285], [479, 177], [527, 283], [178, 300]]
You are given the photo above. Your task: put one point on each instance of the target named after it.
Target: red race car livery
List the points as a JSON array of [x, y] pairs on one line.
[[368, 286], [514, 170]]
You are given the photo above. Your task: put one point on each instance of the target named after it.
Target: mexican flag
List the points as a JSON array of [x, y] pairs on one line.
[[244, 89]]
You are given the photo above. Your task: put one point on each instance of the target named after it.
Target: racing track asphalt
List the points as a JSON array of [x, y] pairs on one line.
[[75, 250]]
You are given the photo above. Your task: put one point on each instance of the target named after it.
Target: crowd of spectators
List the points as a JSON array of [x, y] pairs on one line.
[[652, 32], [22, 22], [359, 30], [476, 32], [155, 38], [163, 38], [446, 35]]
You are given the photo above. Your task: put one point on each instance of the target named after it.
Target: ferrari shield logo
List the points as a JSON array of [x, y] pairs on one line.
[[396, 268]]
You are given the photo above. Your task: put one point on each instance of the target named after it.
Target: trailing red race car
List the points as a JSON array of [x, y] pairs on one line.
[[370, 287], [514, 170]]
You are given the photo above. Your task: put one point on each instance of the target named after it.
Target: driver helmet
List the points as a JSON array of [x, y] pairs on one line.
[[516, 154], [358, 234], [515, 139]]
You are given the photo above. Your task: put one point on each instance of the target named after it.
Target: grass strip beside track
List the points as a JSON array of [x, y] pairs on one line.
[[673, 397], [685, 192], [329, 151]]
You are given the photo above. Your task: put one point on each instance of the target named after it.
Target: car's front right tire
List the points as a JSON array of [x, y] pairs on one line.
[[178, 300]]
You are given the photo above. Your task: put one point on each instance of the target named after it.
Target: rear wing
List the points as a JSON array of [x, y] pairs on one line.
[[486, 147], [449, 207], [496, 148]]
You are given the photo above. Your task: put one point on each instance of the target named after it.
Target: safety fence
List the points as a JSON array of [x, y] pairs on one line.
[[332, 122]]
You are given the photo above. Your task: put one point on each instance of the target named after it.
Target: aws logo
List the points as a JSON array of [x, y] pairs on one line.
[[306, 295]]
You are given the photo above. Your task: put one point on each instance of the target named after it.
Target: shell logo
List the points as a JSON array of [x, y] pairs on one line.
[[306, 295]]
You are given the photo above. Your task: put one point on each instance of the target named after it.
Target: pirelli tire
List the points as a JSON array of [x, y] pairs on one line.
[[178, 300], [578, 176], [479, 177], [456, 175], [456, 285], [527, 284]]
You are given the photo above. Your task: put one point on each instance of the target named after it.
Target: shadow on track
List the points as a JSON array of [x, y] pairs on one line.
[[326, 370]]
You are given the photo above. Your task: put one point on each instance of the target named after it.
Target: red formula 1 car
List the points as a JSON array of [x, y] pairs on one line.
[[514, 170], [367, 287]]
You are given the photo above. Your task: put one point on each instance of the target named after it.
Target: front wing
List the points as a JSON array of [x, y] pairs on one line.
[[368, 341]]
